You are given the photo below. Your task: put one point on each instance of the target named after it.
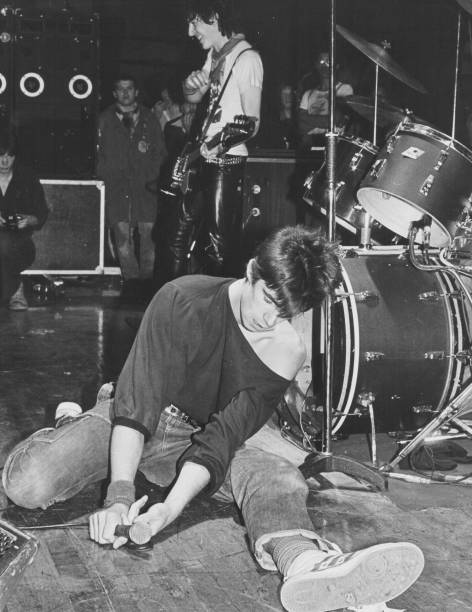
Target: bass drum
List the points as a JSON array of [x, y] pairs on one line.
[[397, 331], [354, 157], [420, 172]]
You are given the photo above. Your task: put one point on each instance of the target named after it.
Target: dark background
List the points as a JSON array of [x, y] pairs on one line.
[[148, 38]]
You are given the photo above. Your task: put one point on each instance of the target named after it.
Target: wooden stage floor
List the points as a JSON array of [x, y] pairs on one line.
[[65, 350]]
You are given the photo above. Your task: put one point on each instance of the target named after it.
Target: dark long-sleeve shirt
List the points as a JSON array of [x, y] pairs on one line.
[[190, 352], [24, 195]]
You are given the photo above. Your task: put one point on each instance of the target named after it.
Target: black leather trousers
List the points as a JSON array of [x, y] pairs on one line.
[[208, 224]]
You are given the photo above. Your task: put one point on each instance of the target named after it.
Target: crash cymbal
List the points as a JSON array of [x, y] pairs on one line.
[[380, 56], [387, 114], [466, 5]]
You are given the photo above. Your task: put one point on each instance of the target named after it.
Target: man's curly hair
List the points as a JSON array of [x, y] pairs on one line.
[[299, 266]]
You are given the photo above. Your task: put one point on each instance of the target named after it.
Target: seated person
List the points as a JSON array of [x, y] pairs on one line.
[[313, 112], [210, 363], [23, 210]]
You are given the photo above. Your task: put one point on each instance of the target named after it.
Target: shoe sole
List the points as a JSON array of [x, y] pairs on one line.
[[373, 575]]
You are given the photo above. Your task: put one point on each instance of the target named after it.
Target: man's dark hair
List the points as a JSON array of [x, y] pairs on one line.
[[8, 142], [299, 265], [125, 77], [207, 10]]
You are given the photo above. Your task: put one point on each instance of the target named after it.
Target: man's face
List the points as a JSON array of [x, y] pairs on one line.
[[125, 93], [6, 163], [207, 34], [258, 311]]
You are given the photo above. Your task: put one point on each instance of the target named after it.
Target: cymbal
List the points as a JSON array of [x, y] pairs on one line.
[[466, 5], [380, 56], [387, 114]]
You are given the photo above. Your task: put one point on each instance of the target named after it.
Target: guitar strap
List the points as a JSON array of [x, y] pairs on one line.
[[214, 108]]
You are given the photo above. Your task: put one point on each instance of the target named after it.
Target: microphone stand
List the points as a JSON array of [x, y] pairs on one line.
[[326, 461]]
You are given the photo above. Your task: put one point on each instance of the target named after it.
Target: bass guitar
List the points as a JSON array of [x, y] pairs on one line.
[[241, 128]]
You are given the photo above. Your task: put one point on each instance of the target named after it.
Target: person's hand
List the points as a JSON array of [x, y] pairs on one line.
[[210, 153], [157, 517], [102, 524], [27, 221], [196, 80]]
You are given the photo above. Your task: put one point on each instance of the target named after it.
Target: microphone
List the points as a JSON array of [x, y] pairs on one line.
[[139, 533]]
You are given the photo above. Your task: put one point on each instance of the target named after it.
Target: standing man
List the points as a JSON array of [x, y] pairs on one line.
[[210, 363], [130, 152], [232, 77]]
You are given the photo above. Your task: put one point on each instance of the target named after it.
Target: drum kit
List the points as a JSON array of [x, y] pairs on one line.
[[401, 349]]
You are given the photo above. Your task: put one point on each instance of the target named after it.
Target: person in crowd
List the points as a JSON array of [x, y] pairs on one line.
[[23, 210], [210, 363], [313, 112], [231, 80], [167, 108], [130, 152]]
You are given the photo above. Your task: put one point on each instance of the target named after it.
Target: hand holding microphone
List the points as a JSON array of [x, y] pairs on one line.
[[138, 533]]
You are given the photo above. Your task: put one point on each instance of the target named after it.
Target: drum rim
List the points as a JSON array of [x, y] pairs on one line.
[[444, 138], [443, 228], [361, 142]]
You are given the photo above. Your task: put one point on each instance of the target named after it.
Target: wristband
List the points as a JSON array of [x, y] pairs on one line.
[[120, 492]]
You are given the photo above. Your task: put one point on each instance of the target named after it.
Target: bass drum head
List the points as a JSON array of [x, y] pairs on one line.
[[396, 330]]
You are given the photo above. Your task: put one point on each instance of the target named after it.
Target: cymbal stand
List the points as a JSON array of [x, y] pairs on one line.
[[456, 75], [325, 461]]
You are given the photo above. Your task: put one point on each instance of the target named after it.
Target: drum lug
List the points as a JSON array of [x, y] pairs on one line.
[[355, 161], [427, 184], [362, 297], [339, 186], [441, 159], [391, 143], [435, 355], [432, 297], [373, 356], [377, 168]]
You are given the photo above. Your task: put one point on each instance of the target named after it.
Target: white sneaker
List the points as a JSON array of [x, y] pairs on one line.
[[375, 574]]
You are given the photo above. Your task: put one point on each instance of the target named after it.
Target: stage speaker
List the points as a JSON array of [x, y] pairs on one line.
[[55, 103], [7, 39], [272, 192], [72, 239]]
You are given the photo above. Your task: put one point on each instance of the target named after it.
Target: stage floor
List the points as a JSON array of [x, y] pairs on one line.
[[65, 350]]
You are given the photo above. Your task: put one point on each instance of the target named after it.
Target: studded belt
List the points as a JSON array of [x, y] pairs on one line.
[[181, 416], [227, 160]]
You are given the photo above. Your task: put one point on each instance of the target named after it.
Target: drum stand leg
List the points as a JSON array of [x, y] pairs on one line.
[[458, 406]]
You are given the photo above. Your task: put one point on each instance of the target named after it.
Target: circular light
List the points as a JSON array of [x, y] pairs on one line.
[[3, 83], [80, 86], [32, 84], [5, 37]]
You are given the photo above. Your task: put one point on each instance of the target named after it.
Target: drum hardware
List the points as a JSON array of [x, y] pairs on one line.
[[373, 356], [379, 54], [326, 461], [441, 159], [377, 168], [365, 297], [388, 115], [435, 296], [452, 412]]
